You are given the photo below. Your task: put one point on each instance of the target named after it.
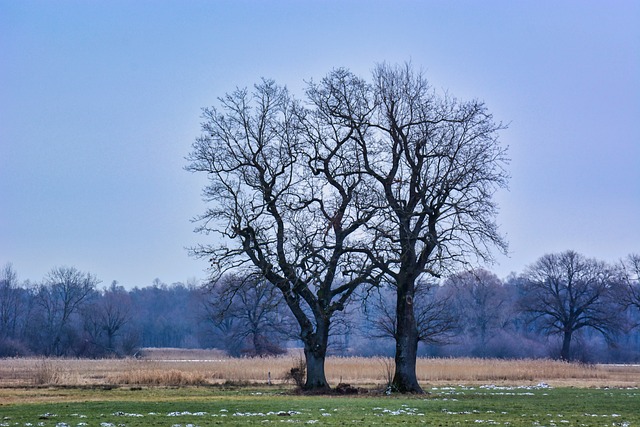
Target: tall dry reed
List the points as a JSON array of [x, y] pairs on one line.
[[360, 371]]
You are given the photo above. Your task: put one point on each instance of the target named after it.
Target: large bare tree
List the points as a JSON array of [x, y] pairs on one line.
[[566, 292], [371, 179], [436, 163], [287, 197]]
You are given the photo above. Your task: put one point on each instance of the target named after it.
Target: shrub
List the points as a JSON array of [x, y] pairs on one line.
[[46, 373], [297, 373]]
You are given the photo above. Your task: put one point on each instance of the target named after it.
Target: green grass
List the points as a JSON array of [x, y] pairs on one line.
[[447, 406]]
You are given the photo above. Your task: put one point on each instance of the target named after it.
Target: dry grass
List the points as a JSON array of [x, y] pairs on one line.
[[179, 368], [182, 354]]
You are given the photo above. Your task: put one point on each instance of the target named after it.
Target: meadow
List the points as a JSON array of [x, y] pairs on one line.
[[237, 406], [189, 389]]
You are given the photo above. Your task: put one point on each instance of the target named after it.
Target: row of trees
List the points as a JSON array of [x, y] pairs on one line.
[[564, 306], [61, 315], [68, 314]]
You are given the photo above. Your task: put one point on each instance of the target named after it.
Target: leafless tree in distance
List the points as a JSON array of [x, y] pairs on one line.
[[481, 303], [107, 316], [435, 315], [566, 292], [9, 301], [60, 296], [252, 313]]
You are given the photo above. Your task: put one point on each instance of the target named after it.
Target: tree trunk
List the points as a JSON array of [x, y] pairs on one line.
[[565, 353], [404, 378], [316, 379], [315, 352], [257, 345]]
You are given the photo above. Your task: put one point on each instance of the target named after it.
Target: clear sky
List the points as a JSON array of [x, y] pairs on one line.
[[100, 102]]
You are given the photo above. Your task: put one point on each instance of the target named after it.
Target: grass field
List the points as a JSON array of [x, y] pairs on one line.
[[239, 406], [190, 389]]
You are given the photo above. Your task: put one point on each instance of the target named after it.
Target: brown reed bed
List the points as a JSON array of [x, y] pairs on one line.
[[167, 368]]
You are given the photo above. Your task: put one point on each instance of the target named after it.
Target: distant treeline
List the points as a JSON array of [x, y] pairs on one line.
[[467, 314]]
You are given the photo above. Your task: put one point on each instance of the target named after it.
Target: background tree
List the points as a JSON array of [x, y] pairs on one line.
[[9, 301], [252, 315], [176, 316], [564, 293], [59, 297], [434, 311], [631, 277], [284, 188], [164, 315], [14, 312], [482, 304], [436, 163], [106, 317]]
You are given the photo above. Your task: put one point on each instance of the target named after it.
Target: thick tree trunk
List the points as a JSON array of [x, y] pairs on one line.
[[315, 338], [565, 353], [316, 379], [315, 352], [404, 378]]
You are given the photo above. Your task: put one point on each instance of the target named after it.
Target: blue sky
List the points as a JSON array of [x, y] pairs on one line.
[[100, 102]]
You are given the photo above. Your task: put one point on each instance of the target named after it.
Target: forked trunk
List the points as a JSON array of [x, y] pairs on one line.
[[404, 379]]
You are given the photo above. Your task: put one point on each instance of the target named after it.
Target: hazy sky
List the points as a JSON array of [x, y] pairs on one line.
[[100, 102]]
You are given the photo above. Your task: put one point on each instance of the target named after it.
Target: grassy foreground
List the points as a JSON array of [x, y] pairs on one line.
[[207, 406]]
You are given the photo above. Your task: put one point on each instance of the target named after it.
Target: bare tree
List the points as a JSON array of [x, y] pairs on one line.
[[630, 269], [106, 317], [436, 163], [285, 189], [59, 297], [9, 301], [115, 313], [250, 311], [435, 316], [564, 293], [382, 178], [481, 303]]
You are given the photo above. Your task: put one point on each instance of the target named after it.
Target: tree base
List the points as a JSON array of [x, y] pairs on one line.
[[316, 390], [406, 386]]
